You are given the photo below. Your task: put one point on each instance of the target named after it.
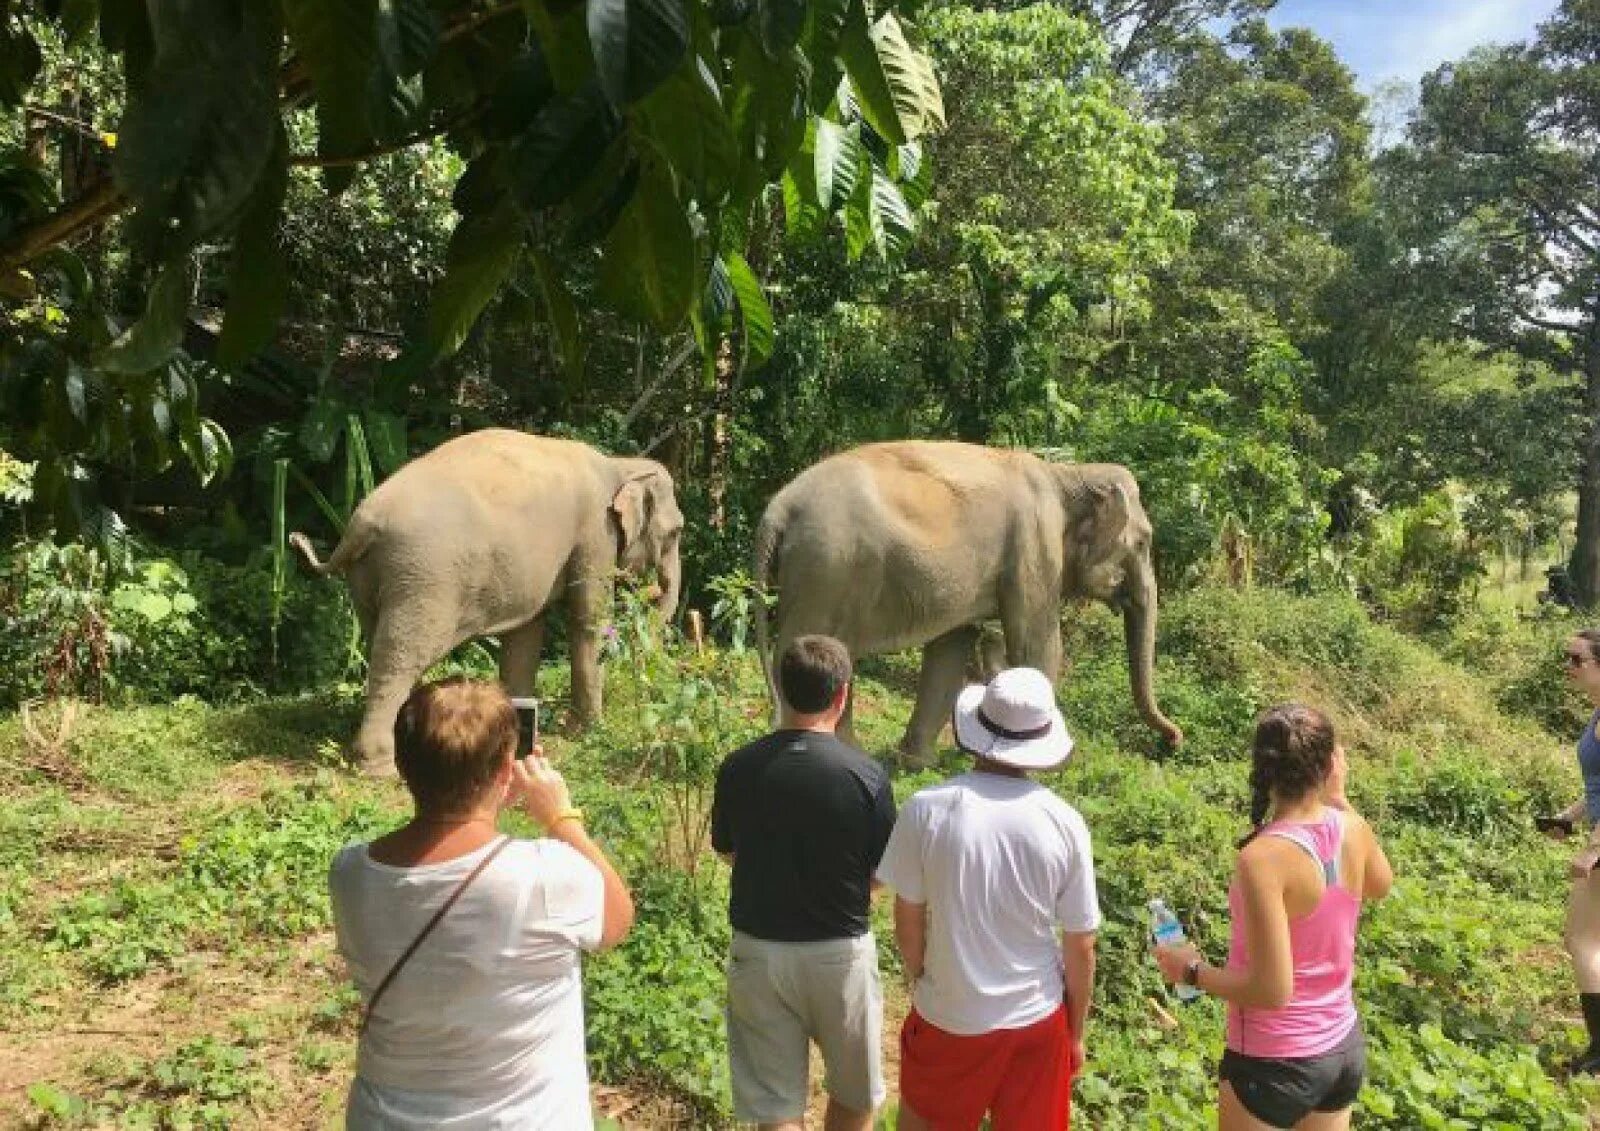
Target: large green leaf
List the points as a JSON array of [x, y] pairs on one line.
[[524, 88], [564, 39], [716, 298], [837, 158], [648, 266], [685, 119], [770, 115], [636, 44], [555, 154], [197, 136], [754, 313], [151, 340], [894, 82], [598, 204], [407, 36], [802, 219], [858, 233], [337, 42], [892, 225], [208, 450], [780, 23], [562, 312], [258, 276], [483, 249]]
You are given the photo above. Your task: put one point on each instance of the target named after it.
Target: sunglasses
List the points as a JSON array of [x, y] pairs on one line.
[[1576, 659]]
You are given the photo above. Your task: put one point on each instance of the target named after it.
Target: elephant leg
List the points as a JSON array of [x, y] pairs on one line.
[[586, 609], [1033, 640], [519, 657], [845, 729], [944, 669], [404, 645]]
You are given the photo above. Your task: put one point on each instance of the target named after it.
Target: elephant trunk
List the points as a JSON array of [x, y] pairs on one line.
[[1139, 626], [669, 571]]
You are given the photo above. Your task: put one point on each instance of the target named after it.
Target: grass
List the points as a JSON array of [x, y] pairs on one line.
[[165, 957]]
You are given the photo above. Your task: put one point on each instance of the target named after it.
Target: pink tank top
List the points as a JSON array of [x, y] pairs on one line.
[[1322, 1010]]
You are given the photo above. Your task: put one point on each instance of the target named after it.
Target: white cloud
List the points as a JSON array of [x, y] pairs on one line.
[[1437, 33]]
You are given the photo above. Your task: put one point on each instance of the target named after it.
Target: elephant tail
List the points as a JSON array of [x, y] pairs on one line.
[[357, 537], [769, 536]]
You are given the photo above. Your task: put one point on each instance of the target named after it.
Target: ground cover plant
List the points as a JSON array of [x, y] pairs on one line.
[[165, 959]]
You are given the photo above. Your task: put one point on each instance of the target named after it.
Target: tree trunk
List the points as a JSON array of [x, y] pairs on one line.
[[1585, 565]]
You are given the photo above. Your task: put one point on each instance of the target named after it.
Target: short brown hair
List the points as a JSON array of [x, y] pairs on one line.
[[450, 739], [811, 671]]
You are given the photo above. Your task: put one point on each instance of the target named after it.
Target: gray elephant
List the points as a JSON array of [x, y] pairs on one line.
[[915, 544], [479, 537]]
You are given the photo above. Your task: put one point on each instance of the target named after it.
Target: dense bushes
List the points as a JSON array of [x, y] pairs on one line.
[[163, 627]]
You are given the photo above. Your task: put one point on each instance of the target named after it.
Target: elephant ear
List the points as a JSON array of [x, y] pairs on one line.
[[1108, 522], [630, 507]]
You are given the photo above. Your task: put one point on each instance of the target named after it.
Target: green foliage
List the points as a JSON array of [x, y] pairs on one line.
[[199, 1084], [170, 626], [256, 872]]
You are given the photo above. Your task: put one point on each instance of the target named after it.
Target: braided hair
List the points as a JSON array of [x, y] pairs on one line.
[[1290, 757]]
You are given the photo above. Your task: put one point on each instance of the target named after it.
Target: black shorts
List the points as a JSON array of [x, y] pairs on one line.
[[1282, 1091]]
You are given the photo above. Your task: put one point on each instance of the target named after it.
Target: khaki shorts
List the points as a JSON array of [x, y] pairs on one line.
[[781, 997]]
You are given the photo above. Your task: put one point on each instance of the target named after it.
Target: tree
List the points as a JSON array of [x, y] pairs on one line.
[[627, 141], [1504, 159]]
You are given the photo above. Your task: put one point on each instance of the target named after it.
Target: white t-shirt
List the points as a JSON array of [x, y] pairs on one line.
[[1002, 864], [483, 1028]]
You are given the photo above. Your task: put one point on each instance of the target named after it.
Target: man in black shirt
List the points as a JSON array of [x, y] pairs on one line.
[[803, 819]]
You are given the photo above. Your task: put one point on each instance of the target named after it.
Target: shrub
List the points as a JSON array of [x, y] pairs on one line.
[[164, 627]]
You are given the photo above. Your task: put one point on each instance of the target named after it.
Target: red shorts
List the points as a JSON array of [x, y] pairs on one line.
[[1021, 1077]]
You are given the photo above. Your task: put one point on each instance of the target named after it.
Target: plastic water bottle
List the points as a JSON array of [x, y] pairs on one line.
[[1167, 931]]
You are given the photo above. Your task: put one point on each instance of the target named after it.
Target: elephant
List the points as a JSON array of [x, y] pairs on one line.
[[918, 543], [479, 537]]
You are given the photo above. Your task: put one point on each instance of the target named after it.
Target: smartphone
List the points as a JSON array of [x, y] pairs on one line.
[[527, 724]]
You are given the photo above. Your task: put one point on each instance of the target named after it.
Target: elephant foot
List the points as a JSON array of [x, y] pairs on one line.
[[378, 768], [915, 759]]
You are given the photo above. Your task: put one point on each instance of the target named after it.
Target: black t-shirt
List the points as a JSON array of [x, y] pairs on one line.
[[806, 818]]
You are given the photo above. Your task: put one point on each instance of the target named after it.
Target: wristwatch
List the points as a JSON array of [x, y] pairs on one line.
[[1191, 973]]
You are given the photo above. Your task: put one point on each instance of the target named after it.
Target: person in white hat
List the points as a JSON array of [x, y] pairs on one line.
[[995, 915]]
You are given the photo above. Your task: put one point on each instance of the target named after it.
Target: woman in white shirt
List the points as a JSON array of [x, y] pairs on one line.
[[479, 1025]]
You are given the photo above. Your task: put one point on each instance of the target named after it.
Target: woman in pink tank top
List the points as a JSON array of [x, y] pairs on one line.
[[1295, 1054]]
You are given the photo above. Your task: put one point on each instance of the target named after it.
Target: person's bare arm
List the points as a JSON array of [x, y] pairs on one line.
[[1268, 982], [544, 797], [1077, 961], [911, 935], [1378, 873], [616, 920]]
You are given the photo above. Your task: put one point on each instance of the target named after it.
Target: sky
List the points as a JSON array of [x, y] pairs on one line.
[[1382, 40]]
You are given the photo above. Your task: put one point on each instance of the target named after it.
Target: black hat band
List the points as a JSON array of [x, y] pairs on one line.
[[996, 729]]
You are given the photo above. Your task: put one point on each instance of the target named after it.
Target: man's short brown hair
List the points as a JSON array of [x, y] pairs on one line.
[[811, 671], [450, 740]]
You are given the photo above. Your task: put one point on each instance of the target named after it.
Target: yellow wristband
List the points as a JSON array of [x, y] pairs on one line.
[[565, 815]]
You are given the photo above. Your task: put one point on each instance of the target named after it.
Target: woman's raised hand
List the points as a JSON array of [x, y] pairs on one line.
[[540, 788]]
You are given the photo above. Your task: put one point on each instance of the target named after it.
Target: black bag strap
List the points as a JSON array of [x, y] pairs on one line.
[[372, 1002]]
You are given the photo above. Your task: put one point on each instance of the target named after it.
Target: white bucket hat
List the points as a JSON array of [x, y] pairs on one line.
[[1013, 721]]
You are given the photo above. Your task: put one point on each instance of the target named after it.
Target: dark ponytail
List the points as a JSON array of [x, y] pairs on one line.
[[1290, 757]]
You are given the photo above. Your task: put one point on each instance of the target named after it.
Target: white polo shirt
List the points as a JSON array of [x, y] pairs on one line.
[[1002, 864]]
